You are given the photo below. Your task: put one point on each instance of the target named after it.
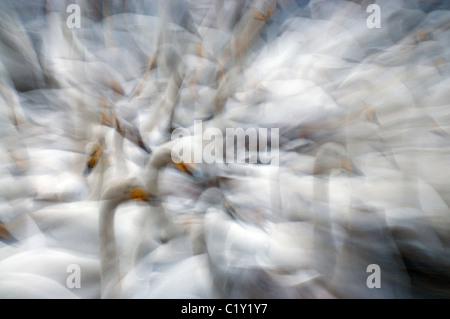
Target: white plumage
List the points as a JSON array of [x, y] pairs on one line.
[[86, 123]]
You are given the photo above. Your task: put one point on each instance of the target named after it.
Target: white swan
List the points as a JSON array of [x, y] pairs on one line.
[[160, 158], [80, 231], [29, 286], [111, 198], [265, 266], [253, 259], [247, 261], [52, 265], [18, 53]]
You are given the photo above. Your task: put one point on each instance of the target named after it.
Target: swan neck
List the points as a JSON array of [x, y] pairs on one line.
[[120, 156], [109, 262]]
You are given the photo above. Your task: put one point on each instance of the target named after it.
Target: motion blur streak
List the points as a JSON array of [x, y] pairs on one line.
[[92, 204]]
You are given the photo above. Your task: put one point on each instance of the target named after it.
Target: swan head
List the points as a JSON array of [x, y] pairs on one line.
[[95, 153], [123, 127], [5, 235], [334, 156], [132, 134], [139, 194], [189, 168], [129, 189]]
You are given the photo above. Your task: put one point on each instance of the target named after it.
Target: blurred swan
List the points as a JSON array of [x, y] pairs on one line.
[[53, 175], [277, 262], [52, 265], [243, 268], [18, 53], [100, 83], [160, 158], [97, 234], [110, 157], [189, 278], [29, 286], [127, 124], [96, 165], [318, 249], [5, 235], [113, 197], [363, 146]]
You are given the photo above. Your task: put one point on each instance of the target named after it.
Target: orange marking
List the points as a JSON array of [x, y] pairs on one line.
[[182, 167], [422, 35], [346, 164], [4, 233], [139, 194], [258, 15], [200, 50], [94, 158], [268, 12], [105, 120], [304, 132], [117, 87], [116, 122], [370, 114]]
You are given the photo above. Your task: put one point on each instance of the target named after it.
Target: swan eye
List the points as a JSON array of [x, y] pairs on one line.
[[139, 194]]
